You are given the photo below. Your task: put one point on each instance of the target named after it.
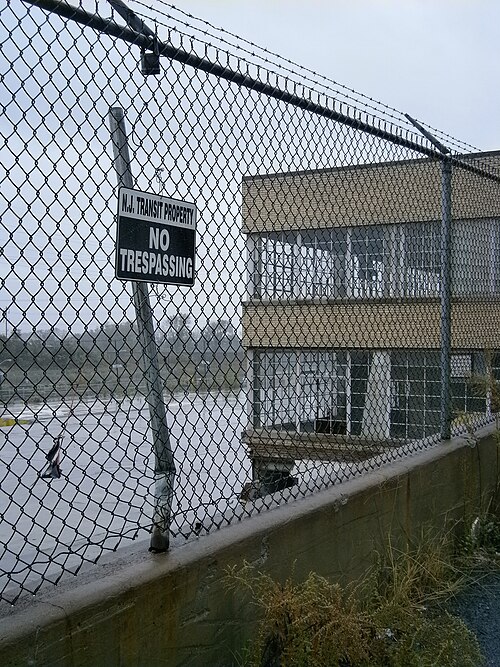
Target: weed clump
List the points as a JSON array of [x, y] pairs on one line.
[[392, 618]]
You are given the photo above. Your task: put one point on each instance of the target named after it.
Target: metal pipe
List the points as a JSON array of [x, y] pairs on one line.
[[446, 240], [164, 471], [441, 148]]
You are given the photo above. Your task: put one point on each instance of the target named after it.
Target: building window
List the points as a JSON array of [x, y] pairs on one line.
[[369, 257], [327, 391], [275, 392], [302, 391], [466, 396], [356, 262], [415, 394], [278, 265], [416, 390], [421, 260], [323, 264], [375, 261], [495, 257]]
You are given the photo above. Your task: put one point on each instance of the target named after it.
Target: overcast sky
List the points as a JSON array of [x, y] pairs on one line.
[[438, 60]]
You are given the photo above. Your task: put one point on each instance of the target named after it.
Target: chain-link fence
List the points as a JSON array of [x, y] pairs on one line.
[[345, 308]]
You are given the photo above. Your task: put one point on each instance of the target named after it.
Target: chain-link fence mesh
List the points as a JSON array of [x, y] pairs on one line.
[[310, 347]]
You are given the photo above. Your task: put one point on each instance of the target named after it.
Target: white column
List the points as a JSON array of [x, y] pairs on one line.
[[377, 412], [250, 389], [349, 268], [491, 378], [391, 286], [493, 261], [298, 389], [253, 262], [348, 394], [250, 283], [401, 261], [297, 267]]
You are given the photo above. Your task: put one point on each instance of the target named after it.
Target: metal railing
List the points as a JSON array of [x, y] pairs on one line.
[[344, 303]]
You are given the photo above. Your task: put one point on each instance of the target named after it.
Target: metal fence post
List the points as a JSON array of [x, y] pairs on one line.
[[164, 461], [446, 237], [446, 298]]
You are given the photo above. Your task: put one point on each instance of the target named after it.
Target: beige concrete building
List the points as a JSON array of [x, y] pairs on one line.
[[342, 315]]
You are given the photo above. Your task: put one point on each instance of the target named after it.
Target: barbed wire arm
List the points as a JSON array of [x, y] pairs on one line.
[[131, 18]]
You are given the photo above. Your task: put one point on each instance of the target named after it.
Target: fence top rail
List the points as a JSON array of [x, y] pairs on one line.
[[144, 41]]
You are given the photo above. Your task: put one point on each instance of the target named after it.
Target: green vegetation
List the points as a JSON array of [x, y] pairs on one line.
[[483, 543], [395, 617]]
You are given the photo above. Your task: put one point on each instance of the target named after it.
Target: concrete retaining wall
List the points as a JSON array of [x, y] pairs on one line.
[[174, 610]]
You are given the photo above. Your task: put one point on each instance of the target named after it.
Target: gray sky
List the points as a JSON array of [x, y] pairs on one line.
[[438, 60]]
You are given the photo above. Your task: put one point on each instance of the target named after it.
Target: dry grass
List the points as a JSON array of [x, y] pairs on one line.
[[392, 618], [421, 575]]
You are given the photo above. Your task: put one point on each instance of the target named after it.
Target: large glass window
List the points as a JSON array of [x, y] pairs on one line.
[[327, 391], [476, 257], [368, 251], [275, 390], [421, 260], [323, 264], [278, 266], [416, 390], [300, 390], [415, 394], [376, 261]]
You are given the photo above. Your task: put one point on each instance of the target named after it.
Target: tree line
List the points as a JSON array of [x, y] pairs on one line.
[[106, 360]]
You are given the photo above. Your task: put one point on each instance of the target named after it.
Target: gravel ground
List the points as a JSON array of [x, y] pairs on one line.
[[479, 607]]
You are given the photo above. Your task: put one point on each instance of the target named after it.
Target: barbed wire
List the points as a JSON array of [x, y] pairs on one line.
[[346, 105], [353, 96]]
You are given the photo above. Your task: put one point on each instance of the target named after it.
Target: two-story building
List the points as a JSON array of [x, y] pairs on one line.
[[342, 316]]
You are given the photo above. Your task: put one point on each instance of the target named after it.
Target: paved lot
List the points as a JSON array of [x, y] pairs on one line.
[[479, 607], [105, 489]]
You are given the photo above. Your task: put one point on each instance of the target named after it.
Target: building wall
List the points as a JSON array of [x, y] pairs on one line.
[[174, 609], [393, 192], [371, 325]]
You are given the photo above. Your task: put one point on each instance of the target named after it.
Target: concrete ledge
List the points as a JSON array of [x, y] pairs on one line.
[[173, 609]]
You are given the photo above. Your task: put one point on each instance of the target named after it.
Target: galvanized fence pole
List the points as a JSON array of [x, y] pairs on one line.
[[446, 249], [164, 471]]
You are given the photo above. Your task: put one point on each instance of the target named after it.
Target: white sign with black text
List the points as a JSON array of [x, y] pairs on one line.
[[156, 238]]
